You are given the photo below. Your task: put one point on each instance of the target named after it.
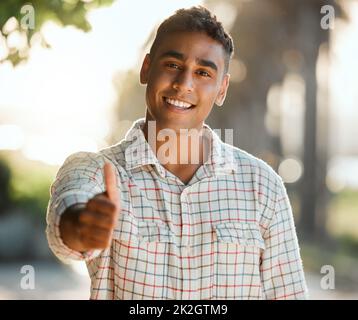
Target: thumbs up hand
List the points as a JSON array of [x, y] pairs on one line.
[[92, 227]]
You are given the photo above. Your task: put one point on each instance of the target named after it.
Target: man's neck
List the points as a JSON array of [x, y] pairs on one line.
[[176, 147]]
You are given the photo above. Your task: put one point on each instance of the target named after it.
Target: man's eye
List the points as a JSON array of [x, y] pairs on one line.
[[203, 73], [172, 65]]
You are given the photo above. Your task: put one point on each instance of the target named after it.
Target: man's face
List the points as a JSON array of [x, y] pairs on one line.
[[187, 69]]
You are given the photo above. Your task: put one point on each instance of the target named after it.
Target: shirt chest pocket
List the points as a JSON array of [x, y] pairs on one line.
[[142, 253], [237, 260], [241, 234]]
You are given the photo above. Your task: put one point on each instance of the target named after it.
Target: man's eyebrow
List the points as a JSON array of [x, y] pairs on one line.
[[173, 54], [180, 56], [207, 63]]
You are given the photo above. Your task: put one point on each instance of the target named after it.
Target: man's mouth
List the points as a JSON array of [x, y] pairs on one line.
[[178, 104]]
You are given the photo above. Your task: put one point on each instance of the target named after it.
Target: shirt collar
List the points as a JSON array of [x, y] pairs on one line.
[[139, 153]]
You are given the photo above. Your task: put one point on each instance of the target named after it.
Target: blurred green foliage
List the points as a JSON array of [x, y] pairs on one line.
[[348, 245], [345, 262], [29, 184], [64, 12], [343, 215], [4, 185]]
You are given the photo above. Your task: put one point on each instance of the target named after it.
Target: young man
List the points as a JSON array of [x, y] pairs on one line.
[[209, 221]]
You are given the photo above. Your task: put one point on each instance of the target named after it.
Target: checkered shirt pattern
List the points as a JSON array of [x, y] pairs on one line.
[[227, 234]]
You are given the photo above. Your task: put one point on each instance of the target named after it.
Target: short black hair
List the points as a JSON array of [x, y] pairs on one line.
[[196, 19]]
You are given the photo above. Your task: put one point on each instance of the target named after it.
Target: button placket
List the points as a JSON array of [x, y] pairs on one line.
[[185, 216], [186, 247]]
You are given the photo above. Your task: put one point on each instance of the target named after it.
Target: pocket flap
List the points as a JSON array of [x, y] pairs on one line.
[[245, 234], [153, 232]]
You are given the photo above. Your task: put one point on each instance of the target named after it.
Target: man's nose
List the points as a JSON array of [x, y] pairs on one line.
[[184, 82]]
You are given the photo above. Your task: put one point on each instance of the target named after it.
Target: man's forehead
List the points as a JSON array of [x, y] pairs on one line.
[[196, 45]]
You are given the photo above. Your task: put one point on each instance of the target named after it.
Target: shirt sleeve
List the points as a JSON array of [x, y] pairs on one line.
[[79, 179], [282, 273]]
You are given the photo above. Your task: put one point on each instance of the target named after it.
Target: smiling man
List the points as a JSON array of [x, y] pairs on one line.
[[171, 211], [185, 73]]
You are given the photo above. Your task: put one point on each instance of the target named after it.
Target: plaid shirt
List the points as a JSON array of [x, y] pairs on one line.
[[227, 234]]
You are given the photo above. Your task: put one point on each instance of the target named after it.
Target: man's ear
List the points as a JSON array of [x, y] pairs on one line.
[[145, 69], [220, 98]]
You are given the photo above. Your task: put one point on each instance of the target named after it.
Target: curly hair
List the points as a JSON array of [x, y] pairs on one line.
[[196, 19]]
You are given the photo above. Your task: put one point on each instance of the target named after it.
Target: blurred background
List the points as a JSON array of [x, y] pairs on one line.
[[69, 82]]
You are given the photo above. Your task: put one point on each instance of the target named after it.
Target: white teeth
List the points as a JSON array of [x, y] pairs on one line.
[[177, 103]]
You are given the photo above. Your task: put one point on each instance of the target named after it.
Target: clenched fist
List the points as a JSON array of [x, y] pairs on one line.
[[90, 226]]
